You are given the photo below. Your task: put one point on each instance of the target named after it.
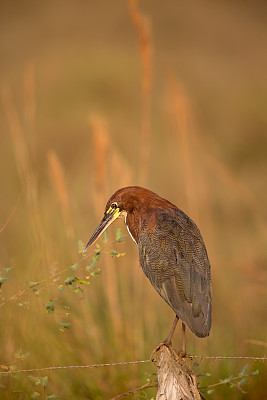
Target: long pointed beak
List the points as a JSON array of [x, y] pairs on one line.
[[104, 224]]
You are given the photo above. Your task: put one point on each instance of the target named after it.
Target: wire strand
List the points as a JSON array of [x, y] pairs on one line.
[[229, 357], [74, 366], [52, 368]]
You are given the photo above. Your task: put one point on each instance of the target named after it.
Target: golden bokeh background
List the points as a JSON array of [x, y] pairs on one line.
[[99, 95]]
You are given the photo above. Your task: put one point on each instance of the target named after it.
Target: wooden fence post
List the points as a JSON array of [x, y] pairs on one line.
[[176, 381]]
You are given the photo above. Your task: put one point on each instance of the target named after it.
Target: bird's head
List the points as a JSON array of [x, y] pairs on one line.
[[131, 199]]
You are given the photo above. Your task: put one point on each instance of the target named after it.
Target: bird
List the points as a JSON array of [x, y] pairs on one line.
[[172, 254]]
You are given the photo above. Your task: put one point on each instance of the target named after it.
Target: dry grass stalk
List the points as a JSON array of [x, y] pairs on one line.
[[110, 276], [236, 186], [121, 176], [100, 147], [57, 176], [29, 95], [111, 288], [4, 225], [181, 115], [24, 165], [121, 173], [143, 28], [257, 342], [30, 107], [140, 295], [19, 142]]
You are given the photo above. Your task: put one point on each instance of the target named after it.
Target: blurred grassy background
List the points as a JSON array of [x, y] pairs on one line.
[[86, 109]]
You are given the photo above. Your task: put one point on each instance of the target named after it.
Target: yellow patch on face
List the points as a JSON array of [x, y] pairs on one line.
[[116, 214], [111, 208]]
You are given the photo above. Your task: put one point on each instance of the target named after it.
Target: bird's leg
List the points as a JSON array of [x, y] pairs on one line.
[[182, 352], [168, 341], [183, 338]]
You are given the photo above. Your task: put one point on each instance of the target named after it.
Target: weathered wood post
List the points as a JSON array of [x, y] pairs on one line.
[[176, 381]]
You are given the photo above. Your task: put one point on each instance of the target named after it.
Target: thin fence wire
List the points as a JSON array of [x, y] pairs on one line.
[[52, 368], [229, 357]]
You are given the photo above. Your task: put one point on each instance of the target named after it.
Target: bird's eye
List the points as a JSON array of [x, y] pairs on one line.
[[114, 206]]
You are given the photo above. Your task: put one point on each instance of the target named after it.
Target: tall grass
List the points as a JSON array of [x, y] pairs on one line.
[[142, 24], [57, 176], [24, 163], [183, 128], [119, 317]]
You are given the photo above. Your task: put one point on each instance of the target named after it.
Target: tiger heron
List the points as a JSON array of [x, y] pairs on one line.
[[172, 254]]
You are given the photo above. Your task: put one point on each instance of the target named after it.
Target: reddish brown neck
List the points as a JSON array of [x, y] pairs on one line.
[[138, 221]]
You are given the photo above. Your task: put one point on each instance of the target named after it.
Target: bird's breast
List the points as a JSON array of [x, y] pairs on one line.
[[138, 222]]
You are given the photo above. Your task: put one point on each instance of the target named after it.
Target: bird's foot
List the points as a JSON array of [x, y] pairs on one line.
[[181, 354], [166, 343], [177, 354]]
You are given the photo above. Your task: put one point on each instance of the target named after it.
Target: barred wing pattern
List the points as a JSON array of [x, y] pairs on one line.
[[173, 256]]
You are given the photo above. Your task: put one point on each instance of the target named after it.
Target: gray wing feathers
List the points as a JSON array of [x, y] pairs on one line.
[[174, 258]]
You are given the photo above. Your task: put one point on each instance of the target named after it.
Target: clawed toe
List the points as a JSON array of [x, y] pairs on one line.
[[181, 354], [167, 342], [176, 353], [156, 349]]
